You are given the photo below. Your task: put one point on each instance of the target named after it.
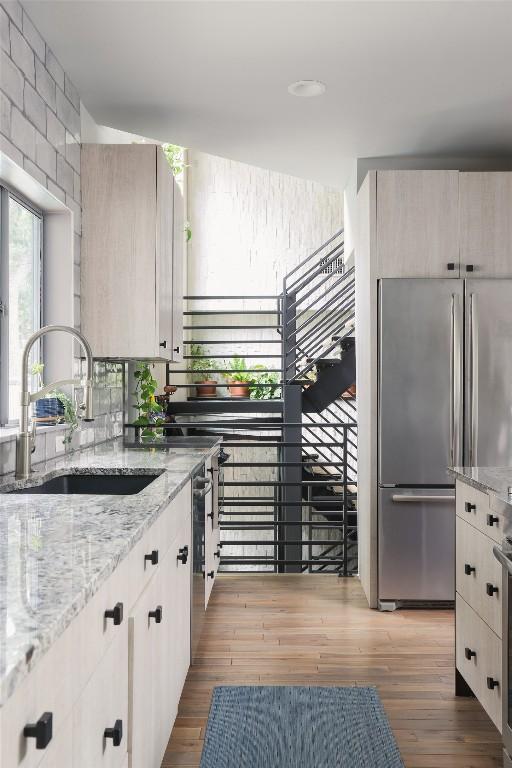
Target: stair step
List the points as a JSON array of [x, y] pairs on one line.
[[325, 361]]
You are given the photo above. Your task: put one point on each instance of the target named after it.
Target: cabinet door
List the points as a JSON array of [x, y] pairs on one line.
[[417, 224], [164, 255], [178, 258], [486, 224]]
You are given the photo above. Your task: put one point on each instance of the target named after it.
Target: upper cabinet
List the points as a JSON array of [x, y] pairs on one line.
[[417, 224], [486, 224], [132, 253]]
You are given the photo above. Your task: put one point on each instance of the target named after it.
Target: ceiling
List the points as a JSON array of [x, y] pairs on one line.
[[403, 78]]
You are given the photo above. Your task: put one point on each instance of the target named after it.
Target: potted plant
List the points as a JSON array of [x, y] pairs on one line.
[[55, 407], [206, 386], [149, 410], [264, 385], [239, 380]]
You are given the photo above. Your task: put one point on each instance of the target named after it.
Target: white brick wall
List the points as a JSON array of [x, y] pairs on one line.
[[40, 131]]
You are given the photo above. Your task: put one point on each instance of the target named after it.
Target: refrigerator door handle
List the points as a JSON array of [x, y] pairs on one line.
[[457, 382], [411, 498], [473, 380]]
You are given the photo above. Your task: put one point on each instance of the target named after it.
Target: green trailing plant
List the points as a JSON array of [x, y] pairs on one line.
[[175, 156], [147, 407], [201, 362], [259, 382]]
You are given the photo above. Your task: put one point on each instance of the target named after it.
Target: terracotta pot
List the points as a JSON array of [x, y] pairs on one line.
[[206, 388], [239, 389]]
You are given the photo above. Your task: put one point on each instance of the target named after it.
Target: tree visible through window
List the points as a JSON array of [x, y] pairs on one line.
[[22, 270]]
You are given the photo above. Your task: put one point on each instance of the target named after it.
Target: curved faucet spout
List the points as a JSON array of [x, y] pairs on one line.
[[23, 446]]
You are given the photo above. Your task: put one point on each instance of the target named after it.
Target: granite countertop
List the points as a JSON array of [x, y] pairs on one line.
[[492, 480], [56, 550]]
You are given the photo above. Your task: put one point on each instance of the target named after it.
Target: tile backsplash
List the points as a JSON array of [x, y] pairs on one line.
[[108, 404]]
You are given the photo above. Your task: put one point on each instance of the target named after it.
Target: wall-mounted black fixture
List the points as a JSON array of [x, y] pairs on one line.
[[115, 733], [42, 731]]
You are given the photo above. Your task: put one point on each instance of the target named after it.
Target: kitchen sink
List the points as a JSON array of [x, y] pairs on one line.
[[121, 485]]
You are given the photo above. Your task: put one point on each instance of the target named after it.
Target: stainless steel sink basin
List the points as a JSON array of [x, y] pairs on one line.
[[122, 485]]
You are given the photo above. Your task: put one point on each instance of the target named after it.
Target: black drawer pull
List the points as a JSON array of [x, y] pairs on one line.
[[183, 554], [491, 589], [163, 344], [115, 733], [491, 520], [450, 266], [176, 349], [492, 683], [469, 268], [211, 574], [42, 731], [217, 553], [152, 557], [469, 507], [469, 569], [468, 653], [156, 615], [115, 613]]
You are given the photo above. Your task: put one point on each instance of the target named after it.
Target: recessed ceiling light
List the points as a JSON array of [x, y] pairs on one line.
[[307, 88]]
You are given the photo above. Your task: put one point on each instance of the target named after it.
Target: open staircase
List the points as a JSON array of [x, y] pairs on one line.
[[289, 489]]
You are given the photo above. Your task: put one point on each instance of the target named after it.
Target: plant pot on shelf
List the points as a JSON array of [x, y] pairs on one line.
[[206, 388], [239, 388], [48, 409]]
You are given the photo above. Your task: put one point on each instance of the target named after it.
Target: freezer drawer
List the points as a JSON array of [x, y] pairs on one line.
[[416, 544]]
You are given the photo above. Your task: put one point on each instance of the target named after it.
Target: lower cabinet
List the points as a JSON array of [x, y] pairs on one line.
[[106, 694]]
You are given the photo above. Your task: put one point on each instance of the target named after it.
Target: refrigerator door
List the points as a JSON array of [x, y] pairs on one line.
[[416, 544], [420, 384], [488, 381]]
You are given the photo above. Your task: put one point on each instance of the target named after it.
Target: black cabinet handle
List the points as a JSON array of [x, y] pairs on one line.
[[450, 266], [468, 653], [217, 553], [469, 569], [492, 683], [491, 520], [152, 557], [469, 268], [183, 554], [115, 733], [163, 344], [177, 349], [469, 507], [115, 613], [42, 731], [210, 514], [491, 589], [156, 615], [211, 574]]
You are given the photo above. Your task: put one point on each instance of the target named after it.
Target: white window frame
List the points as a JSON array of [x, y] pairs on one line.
[[6, 194]]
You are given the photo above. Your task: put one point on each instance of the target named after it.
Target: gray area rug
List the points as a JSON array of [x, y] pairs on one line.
[[298, 727]]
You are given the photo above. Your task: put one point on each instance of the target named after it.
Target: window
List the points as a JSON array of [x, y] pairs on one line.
[[20, 295]]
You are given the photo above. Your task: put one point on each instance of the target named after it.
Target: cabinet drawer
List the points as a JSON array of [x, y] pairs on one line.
[[473, 634], [474, 506], [103, 702], [48, 688], [478, 574]]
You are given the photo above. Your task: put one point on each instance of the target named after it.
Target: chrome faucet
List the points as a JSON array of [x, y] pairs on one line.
[[26, 441]]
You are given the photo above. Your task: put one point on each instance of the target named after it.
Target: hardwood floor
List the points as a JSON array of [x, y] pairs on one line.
[[317, 630]]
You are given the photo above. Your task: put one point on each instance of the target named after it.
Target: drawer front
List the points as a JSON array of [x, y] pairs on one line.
[[484, 667], [478, 574], [471, 505], [48, 688], [102, 703]]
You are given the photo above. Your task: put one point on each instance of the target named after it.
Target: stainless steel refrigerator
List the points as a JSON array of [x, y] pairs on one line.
[[445, 398]]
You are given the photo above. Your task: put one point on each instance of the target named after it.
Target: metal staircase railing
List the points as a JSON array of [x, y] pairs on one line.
[[289, 492]]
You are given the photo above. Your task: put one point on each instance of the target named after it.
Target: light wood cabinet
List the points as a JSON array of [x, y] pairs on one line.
[[131, 264], [486, 224], [417, 224]]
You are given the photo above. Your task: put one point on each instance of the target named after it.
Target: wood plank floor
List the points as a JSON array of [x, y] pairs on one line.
[[318, 630]]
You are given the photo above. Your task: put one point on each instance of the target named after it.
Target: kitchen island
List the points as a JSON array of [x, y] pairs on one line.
[[483, 522], [81, 640]]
